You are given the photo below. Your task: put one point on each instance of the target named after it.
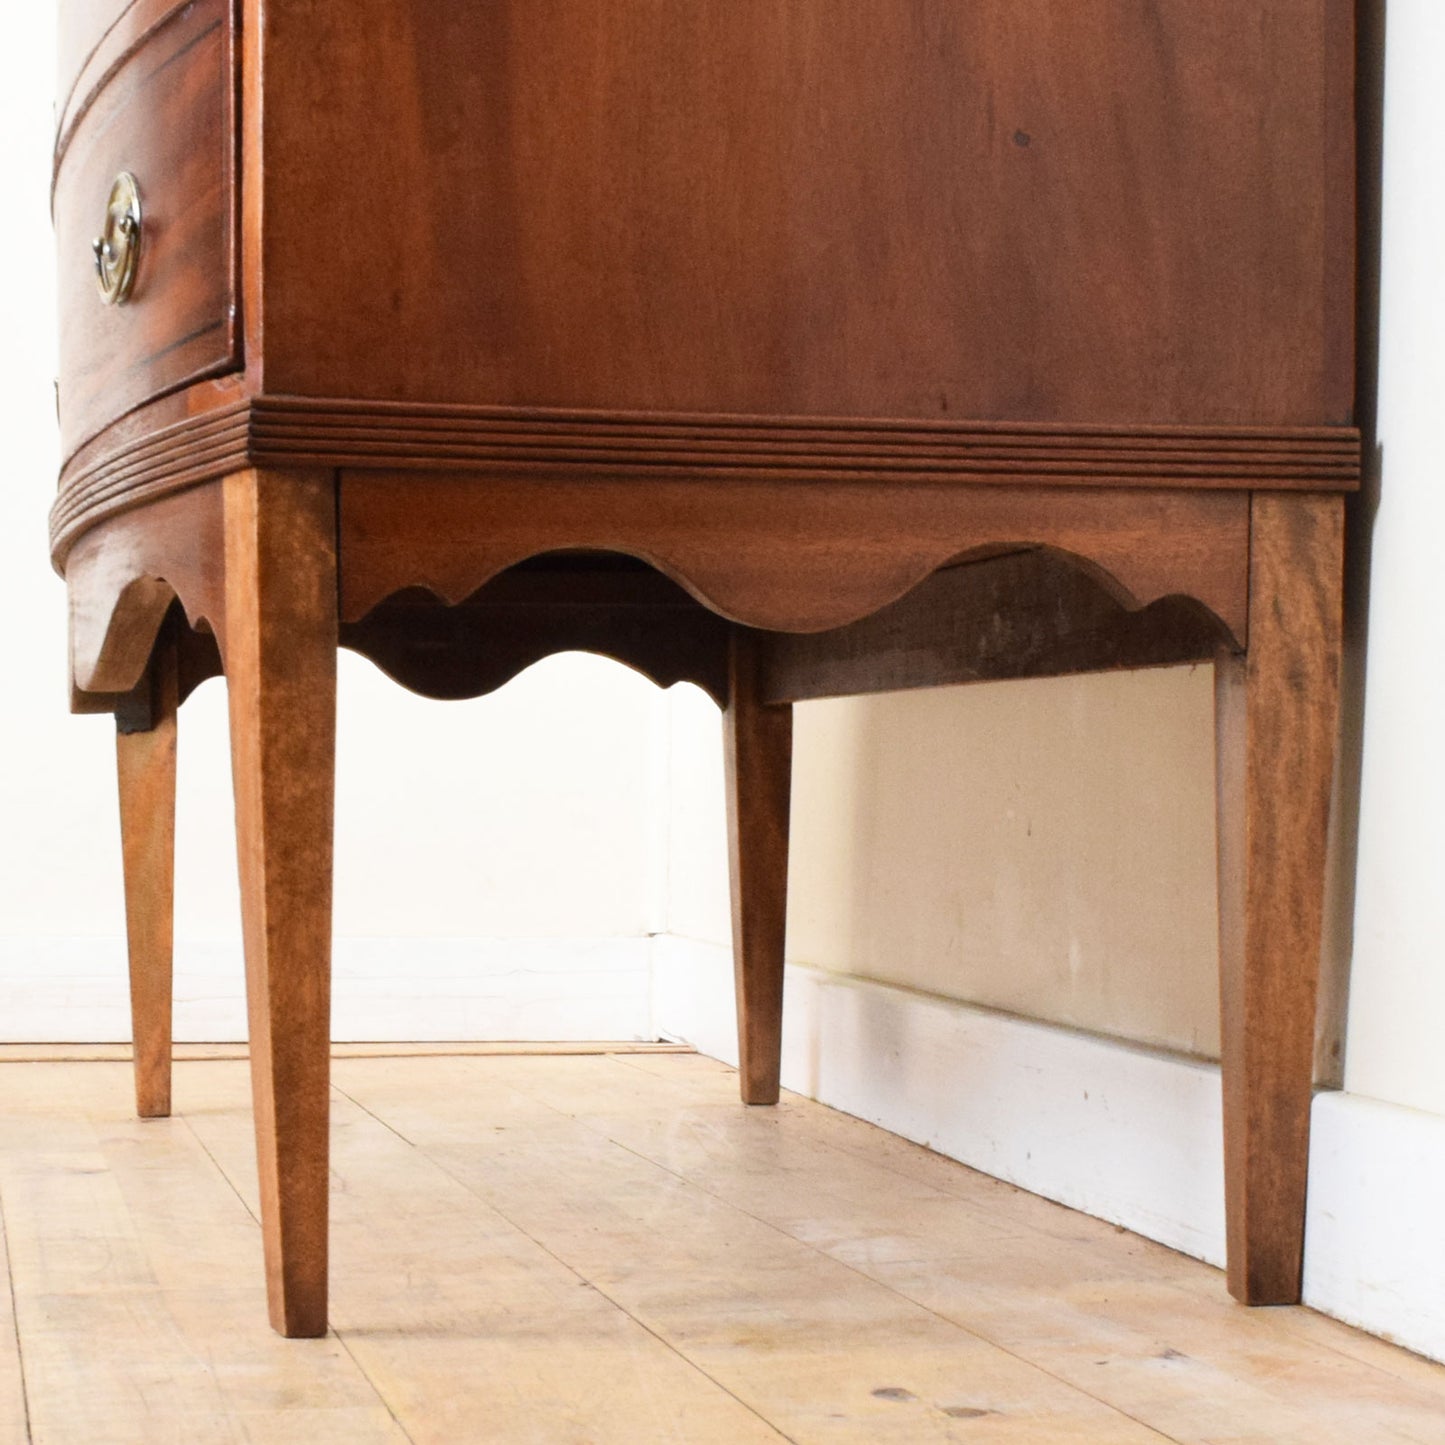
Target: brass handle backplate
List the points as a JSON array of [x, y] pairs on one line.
[[117, 248]]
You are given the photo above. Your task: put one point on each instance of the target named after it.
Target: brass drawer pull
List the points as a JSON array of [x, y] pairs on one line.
[[117, 248]]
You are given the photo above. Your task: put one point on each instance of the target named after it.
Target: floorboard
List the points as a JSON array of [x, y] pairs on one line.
[[14, 1422], [606, 1247]]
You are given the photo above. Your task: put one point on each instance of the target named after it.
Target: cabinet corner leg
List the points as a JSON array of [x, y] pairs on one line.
[[146, 778], [758, 749], [1275, 720], [280, 652]]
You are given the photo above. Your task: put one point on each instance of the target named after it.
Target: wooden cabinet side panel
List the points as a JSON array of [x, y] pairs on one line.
[[1104, 211]]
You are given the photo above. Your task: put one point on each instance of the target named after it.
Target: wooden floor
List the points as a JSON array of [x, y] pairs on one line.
[[610, 1248]]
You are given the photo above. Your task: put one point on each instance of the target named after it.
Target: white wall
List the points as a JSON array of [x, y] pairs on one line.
[[1397, 987], [497, 861], [1043, 847], [1377, 1176]]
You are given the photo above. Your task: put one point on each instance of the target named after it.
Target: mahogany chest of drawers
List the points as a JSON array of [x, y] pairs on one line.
[[789, 347]]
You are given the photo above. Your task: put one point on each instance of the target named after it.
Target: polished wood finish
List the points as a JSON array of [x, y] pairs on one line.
[[986, 209], [613, 606], [601, 291], [758, 763], [1024, 614], [124, 576], [146, 769], [1276, 718], [211, 430], [162, 448], [1030, 613], [894, 345], [165, 116], [96, 40], [82, 26], [778, 555], [280, 649]]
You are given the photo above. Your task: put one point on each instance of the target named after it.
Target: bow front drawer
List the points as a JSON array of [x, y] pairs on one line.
[[144, 215], [82, 26]]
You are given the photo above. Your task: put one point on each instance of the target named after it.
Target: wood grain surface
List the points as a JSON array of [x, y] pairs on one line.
[[146, 769], [612, 606], [219, 427], [1020, 210], [165, 117], [96, 39], [124, 575], [693, 1272], [80, 27], [339, 433], [777, 555], [1024, 614], [280, 648], [758, 766], [1277, 713]]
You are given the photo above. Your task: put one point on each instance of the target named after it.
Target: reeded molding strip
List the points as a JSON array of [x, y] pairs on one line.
[[104, 480], [305, 432]]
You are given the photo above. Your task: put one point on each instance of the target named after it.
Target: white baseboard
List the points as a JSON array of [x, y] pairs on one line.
[[384, 990], [1374, 1248], [1129, 1135]]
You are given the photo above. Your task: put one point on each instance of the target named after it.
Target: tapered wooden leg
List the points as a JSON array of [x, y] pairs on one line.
[[146, 771], [758, 743], [280, 656], [1276, 712]]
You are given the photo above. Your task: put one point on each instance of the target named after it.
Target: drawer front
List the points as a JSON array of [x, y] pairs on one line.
[[164, 116], [80, 27]]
